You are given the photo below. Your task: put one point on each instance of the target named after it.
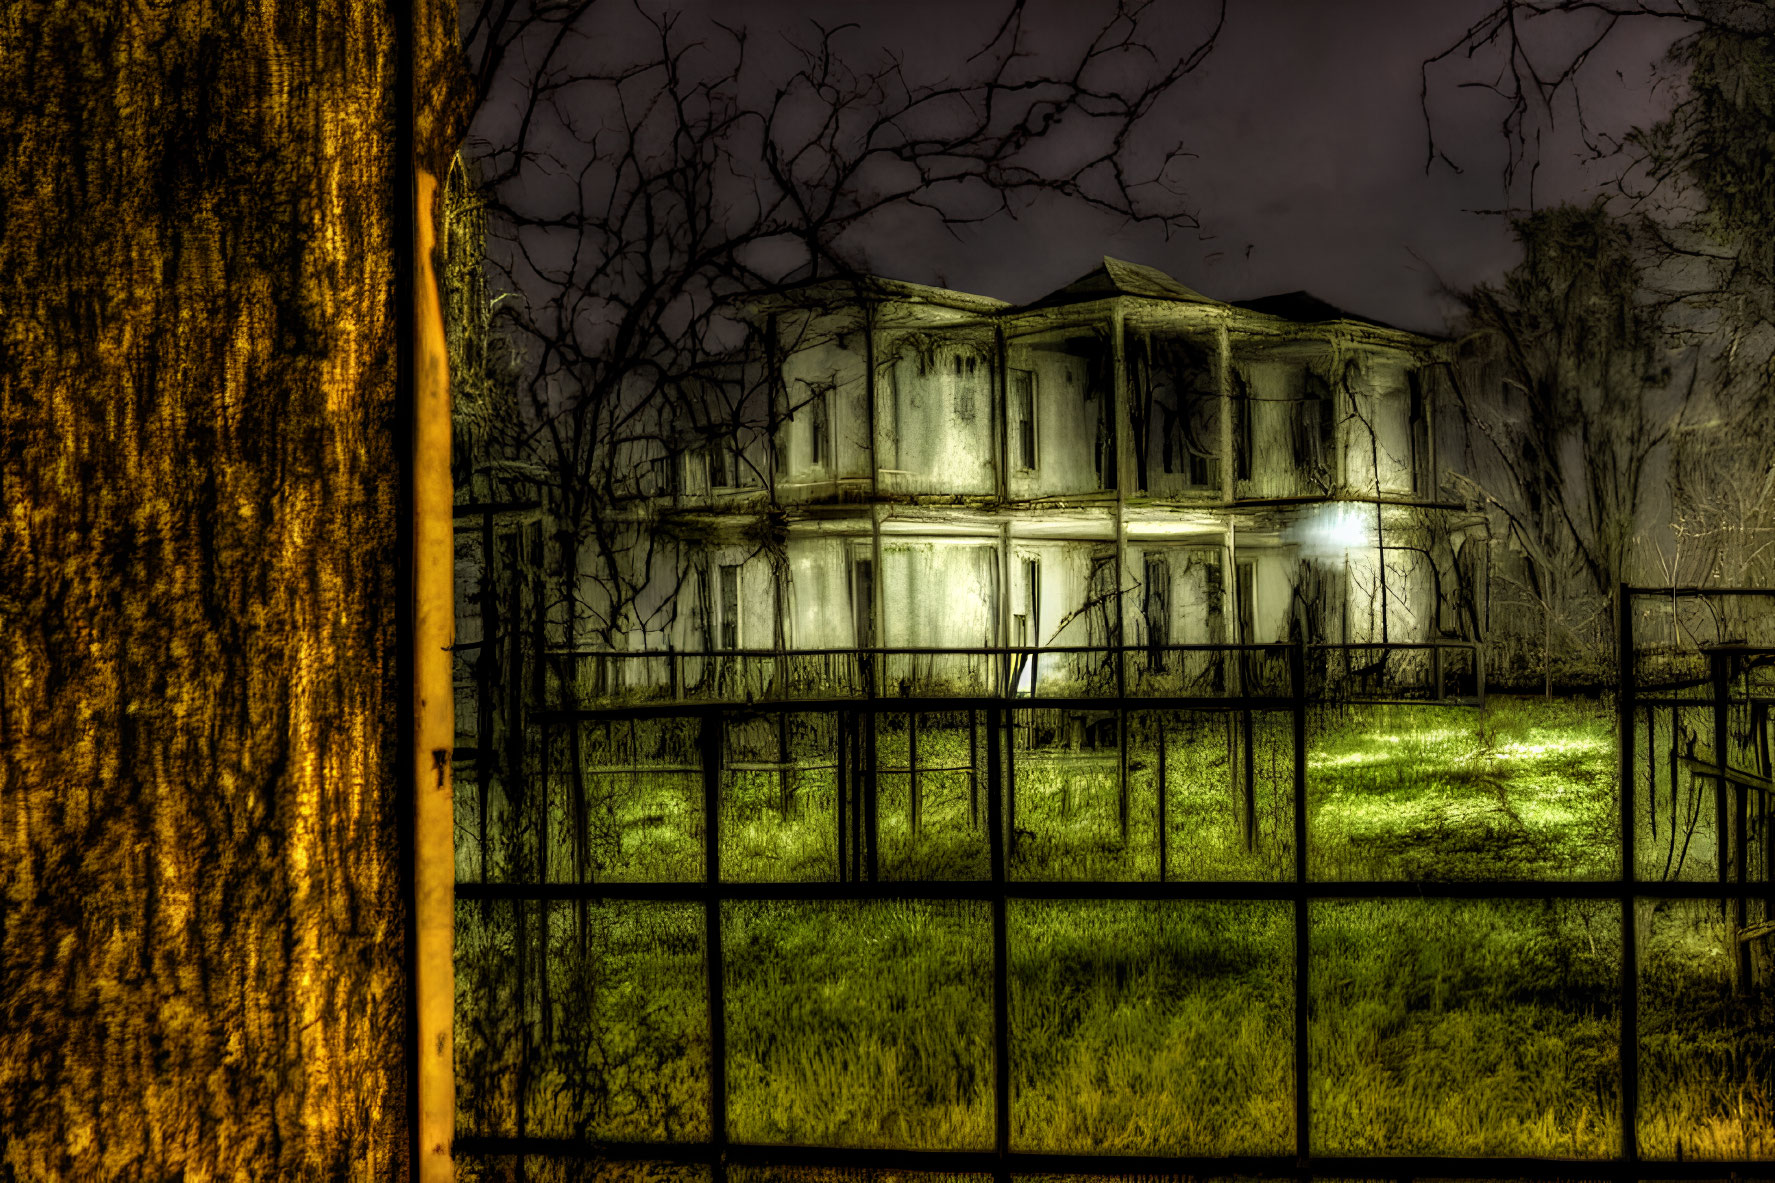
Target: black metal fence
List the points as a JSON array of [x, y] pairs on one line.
[[1426, 671], [1695, 697], [705, 746]]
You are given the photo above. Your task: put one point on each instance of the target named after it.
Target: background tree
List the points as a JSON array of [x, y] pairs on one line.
[[1694, 278], [1571, 393]]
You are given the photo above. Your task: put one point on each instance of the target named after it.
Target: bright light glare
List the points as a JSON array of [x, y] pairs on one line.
[[1334, 528]]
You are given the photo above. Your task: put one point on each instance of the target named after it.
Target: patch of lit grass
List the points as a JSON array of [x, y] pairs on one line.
[[1443, 1027], [1523, 790], [1156, 1028], [865, 1024]]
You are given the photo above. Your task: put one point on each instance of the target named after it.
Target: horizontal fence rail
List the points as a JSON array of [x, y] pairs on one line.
[[1441, 671]]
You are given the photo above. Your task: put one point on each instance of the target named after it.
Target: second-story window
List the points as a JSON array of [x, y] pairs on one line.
[[1022, 393], [1242, 408], [1247, 576], [964, 388], [1315, 427], [715, 462], [1423, 480]]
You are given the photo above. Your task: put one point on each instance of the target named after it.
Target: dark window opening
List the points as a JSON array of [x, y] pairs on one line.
[[1242, 412], [716, 465], [1156, 609], [818, 444], [730, 606], [863, 601], [1247, 572], [1314, 430], [1023, 416], [1422, 478], [1175, 411]]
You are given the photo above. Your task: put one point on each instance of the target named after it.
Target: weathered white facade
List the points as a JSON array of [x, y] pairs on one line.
[[1125, 459]]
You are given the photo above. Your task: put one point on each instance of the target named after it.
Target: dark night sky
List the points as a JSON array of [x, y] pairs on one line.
[[1310, 152]]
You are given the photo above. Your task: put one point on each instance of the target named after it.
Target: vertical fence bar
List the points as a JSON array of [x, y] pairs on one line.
[[856, 805], [1001, 969], [1122, 797], [1624, 700], [1740, 854], [1009, 738], [973, 767], [521, 951], [1765, 766], [841, 786], [484, 687], [1164, 792], [783, 783], [871, 818], [1250, 772], [912, 801], [1652, 770], [1721, 827], [710, 743], [1675, 719], [1297, 670], [581, 807]]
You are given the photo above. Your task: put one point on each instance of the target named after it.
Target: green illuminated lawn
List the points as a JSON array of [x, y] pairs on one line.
[[1436, 1027]]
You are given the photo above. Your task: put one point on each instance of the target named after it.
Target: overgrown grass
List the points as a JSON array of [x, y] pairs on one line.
[[1437, 1027]]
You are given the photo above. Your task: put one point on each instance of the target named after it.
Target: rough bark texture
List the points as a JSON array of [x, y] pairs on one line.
[[201, 935]]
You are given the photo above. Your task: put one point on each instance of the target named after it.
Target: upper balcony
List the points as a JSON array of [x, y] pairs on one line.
[[1122, 386]]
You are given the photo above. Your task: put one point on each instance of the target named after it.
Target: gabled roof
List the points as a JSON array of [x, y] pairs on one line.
[[836, 291], [1117, 277], [1306, 308]]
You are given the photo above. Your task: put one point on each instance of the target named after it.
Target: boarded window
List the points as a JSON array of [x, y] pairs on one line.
[[730, 606], [964, 389], [1319, 601], [1156, 609], [1022, 390], [705, 609], [1241, 409], [818, 444], [717, 465], [863, 601], [1175, 411], [1247, 602], [1313, 430], [1423, 481]]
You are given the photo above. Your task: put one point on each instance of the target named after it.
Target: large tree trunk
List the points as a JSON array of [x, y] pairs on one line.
[[201, 943]]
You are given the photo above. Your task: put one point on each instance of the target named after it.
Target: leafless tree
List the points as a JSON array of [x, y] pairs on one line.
[[1691, 212], [648, 176], [1573, 399]]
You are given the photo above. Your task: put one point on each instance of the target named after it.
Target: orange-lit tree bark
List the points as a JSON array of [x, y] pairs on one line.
[[201, 966]]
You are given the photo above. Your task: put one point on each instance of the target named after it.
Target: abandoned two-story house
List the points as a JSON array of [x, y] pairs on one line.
[[1125, 461]]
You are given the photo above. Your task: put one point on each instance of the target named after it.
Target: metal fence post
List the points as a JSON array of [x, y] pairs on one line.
[[1297, 672], [710, 743], [973, 768], [912, 786], [1721, 826], [1164, 791], [1001, 986], [841, 786], [1624, 700]]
